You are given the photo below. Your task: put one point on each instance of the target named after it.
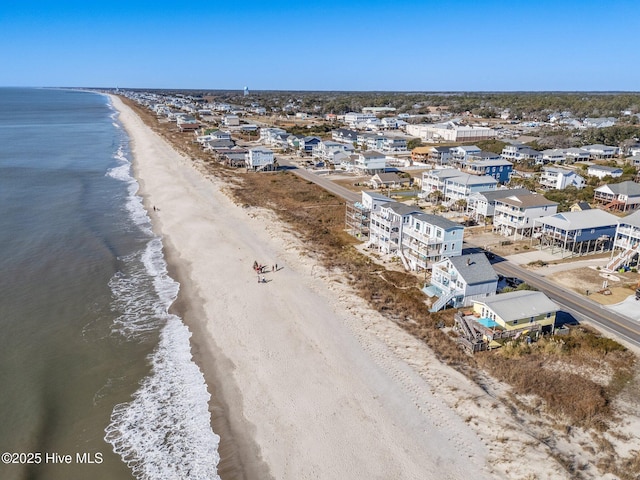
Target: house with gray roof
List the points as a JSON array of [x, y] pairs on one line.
[[389, 180], [602, 171], [514, 214], [600, 152], [492, 165], [458, 281], [454, 184], [622, 196], [519, 153], [481, 205], [371, 162], [520, 309], [626, 247], [560, 178], [358, 214], [576, 233], [387, 224], [427, 238]]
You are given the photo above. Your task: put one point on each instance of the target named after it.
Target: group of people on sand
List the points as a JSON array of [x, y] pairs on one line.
[[259, 269]]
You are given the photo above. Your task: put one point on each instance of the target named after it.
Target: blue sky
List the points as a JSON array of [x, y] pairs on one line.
[[399, 45]]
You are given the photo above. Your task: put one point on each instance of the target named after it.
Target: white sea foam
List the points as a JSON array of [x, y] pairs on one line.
[[164, 432], [134, 206]]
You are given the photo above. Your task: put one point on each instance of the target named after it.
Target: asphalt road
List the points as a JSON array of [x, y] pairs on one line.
[[320, 180], [583, 309]]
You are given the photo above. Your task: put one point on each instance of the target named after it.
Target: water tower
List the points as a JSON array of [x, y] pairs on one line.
[[246, 91]]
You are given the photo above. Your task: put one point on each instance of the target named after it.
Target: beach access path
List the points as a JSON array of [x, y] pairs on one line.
[[307, 381]]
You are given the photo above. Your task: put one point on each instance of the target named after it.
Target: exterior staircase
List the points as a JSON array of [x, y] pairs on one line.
[[443, 301], [622, 258], [404, 260]]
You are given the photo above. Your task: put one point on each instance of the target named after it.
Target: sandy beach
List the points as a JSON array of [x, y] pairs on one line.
[[306, 381]]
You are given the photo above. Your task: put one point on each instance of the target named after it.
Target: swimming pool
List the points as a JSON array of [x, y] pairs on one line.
[[487, 322]]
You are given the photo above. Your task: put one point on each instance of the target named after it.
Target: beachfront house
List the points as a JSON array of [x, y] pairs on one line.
[[358, 214], [622, 196], [260, 159], [427, 238], [514, 215], [187, 123], [521, 310], [458, 281], [387, 224]]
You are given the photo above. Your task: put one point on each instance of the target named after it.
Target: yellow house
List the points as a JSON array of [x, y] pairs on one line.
[[517, 310]]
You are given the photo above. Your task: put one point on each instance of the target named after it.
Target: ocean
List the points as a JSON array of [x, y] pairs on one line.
[[96, 375]]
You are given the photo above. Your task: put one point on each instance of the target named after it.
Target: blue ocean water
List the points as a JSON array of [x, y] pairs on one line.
[[92, 364]]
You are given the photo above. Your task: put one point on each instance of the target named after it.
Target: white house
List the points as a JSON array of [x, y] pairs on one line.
[[602, 171], [325, 150], [454, 184], [573, 155], [373, 200], [231, 120], [514, 215], [601, 152], [259, 158], [554, 155], [619, 196], [458, 281], [450, 132], [269, 135], [371, 162], [481, 205], [427, 238], [354, 118], [462, 153], [560, 178], [358, 214], [519, 153], [387, 224], [626, 246]]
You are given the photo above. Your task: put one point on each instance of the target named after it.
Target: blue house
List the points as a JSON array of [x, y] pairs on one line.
[[489, 164], [576, 233]]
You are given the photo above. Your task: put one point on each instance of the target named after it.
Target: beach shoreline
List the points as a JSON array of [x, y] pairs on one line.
[[239, 457], [306, 380]]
